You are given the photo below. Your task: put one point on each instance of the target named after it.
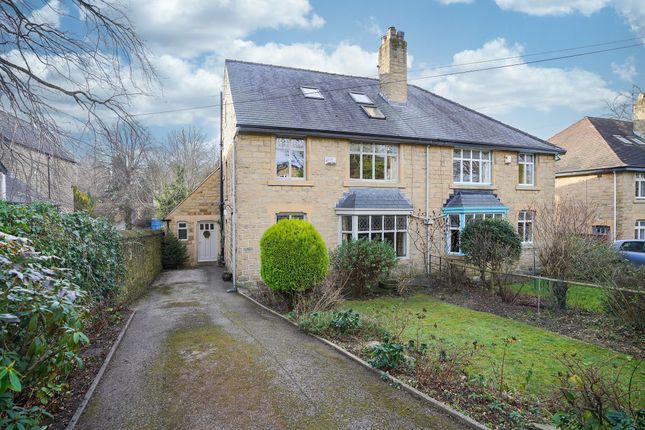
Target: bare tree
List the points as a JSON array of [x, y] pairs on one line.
[[621, 106], [120, 164], [427, 235], [79, 76], [562, 237], [189, 149]]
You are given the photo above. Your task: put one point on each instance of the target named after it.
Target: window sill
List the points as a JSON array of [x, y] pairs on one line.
[[528, 245], [527, 188], [290, 183], [640, 201], [472, 186], [372, 184]]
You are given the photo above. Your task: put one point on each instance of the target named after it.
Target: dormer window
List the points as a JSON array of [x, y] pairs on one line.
[[361, 98], [312, 93]]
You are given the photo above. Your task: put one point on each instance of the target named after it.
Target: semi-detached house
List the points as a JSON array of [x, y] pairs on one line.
[[357, 156]]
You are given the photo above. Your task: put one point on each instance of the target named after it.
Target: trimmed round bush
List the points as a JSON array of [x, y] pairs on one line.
[[293, 256]]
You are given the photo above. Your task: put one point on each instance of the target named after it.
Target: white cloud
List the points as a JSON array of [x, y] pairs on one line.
[[625, 71], [503, 90], [634, 13], [50, 13], [552, 7], [189, 28]]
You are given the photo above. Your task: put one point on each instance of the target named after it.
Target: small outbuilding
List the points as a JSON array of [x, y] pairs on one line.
[[196, 221]]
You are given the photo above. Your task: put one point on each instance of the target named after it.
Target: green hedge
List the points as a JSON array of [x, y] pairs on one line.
[[293, 256], [89, 247]]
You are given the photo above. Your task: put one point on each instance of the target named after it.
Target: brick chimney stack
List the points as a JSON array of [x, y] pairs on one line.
[[639, 115], [393, 66]]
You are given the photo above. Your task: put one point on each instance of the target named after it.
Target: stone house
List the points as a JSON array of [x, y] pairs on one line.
[[362, 158], [605, 166], [36, 168], [196, 221]]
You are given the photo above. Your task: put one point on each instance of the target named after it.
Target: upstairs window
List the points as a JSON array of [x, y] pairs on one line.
[[182, 230], [368, 161], [312, 93], [290, 158], [640, 186], [526, 164], [471, 166]]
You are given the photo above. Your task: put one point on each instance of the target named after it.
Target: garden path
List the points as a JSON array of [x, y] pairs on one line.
[[195, 357]]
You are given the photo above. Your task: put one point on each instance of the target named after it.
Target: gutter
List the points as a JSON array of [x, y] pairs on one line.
[[567, 173], [388, 139]]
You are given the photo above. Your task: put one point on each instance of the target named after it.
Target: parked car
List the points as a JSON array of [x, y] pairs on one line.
[[631, 250]]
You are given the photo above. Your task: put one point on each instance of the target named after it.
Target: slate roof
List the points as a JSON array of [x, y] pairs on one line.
[[464, 199], [267, 97], [374, 198], [18, 131], [632, 154]]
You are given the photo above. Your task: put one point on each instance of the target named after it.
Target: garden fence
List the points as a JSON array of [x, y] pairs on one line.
[[534, 289]]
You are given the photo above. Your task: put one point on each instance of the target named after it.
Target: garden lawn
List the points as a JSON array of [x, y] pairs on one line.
[[578, 296], [531, 364]]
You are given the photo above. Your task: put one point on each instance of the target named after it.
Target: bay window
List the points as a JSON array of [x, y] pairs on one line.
[[392, 229], [290, 158], [471, 166], [456, 222], [368, 161]]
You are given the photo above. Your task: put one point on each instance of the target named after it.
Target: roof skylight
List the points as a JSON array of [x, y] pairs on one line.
[[623, 139], [361, 98], [373, 112], [312, 93], [638, 140]]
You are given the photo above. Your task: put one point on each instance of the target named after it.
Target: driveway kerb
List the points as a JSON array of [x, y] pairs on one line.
[[471, 423], [88, 396]]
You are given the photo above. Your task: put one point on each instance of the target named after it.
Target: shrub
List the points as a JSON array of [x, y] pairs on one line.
[[341, 324], [89, 247], [40, 331], [293, 256], [387, 355], [363, 264], [323, 296], [592, 396], [173, 252], [491, 244]]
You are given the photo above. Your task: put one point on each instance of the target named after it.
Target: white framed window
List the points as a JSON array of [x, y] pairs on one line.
[[387, 228], [639, 230], [373, 162], [525, 226], [182, 230], [640, 186], [526, 163], [290, 158], [601, 231], [289, 215], [471, 166], [455, 225]]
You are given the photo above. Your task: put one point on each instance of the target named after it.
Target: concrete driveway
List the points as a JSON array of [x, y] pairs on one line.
[[195, 357]]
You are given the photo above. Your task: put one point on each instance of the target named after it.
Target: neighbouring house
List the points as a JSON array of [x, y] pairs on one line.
[[605, 166], [358, 156], [37, 168], [196, 221]]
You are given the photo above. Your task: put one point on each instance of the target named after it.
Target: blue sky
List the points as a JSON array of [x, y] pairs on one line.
[[189, 41]]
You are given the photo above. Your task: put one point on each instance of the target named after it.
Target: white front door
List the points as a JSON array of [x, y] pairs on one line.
[[206, 241]]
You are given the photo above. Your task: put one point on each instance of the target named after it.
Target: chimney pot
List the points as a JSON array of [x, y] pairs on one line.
[[639, 115]]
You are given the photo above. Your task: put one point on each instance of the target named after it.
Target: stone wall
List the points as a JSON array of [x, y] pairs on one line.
[[598, 191], [142, 254], [259, 196], [201, 205]]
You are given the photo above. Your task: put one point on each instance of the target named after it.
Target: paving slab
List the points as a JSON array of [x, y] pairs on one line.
[[196, 357]]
